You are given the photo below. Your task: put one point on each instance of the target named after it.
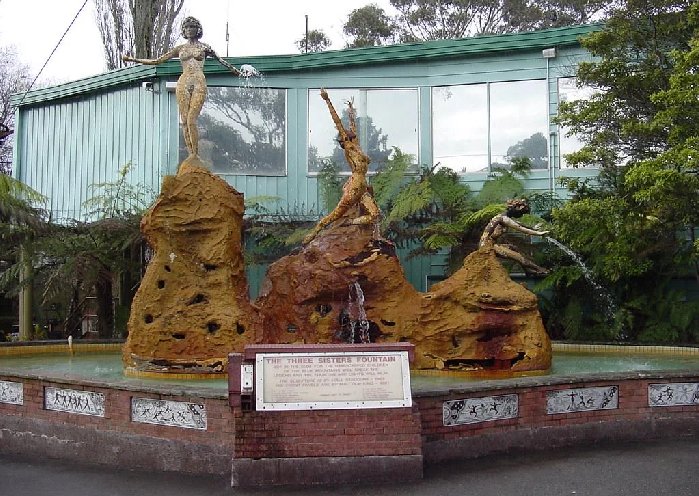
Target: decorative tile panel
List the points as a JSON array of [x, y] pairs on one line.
[[673, 394], [72, 401], [171, 413], [484, 409], [582, 400], [11, 392]]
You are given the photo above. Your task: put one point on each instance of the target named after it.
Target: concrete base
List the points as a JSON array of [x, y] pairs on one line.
[[247, 472]]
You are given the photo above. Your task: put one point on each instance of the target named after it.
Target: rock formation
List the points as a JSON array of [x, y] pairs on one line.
[[478, 319], [192, 307]]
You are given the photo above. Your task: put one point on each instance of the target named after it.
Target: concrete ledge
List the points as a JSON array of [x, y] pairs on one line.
[[87, 445], [552, 437], [248, 472]]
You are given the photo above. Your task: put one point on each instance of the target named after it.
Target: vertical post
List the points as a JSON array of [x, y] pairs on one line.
[[25, 296], [306, 33]]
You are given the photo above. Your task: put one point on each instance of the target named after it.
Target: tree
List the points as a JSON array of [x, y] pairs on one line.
[[368, 26], [14, 78], [142, 28], [316, 41], [85, 258], [423, 20], [639, 129]]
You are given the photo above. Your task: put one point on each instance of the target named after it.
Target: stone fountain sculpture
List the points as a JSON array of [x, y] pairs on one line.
[[192, 307], [345, 284], [478, 319]]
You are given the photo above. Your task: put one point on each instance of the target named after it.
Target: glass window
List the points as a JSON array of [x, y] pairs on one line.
[[568, 91], [386, 118], [518, 123], [460, 127], [243, 131], [479, 126]]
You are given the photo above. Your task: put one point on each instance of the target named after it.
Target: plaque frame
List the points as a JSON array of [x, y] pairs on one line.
[[318, 404]]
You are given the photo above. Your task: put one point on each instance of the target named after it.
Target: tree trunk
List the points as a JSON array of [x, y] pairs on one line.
[[105, 306]]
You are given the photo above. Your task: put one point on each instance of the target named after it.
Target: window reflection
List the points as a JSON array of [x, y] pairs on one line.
[[460, 127], [568, 91], [243, 131], [478, 127], [386, 118], [518, 123]]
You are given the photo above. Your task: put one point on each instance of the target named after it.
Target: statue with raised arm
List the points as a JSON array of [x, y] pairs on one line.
[[191, 86], [497, 227], [355, 191]]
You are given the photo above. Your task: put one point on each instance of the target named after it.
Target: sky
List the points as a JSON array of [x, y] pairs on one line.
[[256, 27]]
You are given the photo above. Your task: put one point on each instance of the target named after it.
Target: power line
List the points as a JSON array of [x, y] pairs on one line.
[[52, 52]]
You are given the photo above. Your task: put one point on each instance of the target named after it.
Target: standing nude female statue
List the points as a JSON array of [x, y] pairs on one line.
[[497, 227], [356, 190], [191, 86]]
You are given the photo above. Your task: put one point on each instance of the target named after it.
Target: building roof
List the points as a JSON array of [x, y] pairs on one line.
[[391, 54]]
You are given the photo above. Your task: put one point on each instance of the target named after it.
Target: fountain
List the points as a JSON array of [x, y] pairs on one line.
[[344, 285]]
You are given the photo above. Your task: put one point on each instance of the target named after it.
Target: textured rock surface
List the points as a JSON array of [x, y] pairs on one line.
[[192, 307], [305, 297], [477, 319]]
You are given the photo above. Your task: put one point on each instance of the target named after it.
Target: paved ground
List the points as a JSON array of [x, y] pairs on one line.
[[653, 469]]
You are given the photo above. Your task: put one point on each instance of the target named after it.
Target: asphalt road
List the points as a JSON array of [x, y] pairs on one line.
[[641, 469]]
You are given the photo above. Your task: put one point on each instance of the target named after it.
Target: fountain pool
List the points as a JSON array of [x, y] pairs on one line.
[[82, 408], [107, 367]]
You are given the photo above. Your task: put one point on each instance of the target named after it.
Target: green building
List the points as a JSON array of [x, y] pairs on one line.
[[469, 104]]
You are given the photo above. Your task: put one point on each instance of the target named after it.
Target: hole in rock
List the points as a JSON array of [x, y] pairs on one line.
[[209, 267], [323, 309], [179, 335], [198, 298], [161, 284], [388, 323], [213, 326], [483, 364], [291, 328], [168, 269], [148, 318], [239, 328]]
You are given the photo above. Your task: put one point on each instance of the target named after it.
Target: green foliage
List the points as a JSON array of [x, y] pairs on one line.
[[422, 20], [641, 130], [315, 41], [272, 231], [368, 26], [505, 184], [329, 184]]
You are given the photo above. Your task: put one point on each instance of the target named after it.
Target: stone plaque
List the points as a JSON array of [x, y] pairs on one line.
[[332, 380], [11, 392], [170, 413], [673, 394], [582, 400], [72, 401], [484, 409]]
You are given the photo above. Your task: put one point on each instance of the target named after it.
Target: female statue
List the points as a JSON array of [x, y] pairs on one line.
[[497, 227], [356, 190], [191, 86]]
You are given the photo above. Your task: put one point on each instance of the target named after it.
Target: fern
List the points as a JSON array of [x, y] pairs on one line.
[[388, 181]]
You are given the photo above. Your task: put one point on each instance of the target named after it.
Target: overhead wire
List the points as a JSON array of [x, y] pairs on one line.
[[52, 52]]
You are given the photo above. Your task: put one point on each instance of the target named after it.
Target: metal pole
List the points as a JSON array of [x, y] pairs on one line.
[[306, 33]]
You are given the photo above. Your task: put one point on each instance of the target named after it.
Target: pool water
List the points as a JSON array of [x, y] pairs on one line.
[[107, 367]]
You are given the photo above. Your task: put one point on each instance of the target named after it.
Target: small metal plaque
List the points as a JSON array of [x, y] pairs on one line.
[[332, 380], [73, 401], [170, 413], [673, 394], [582, 400], [483, 409], [11, 392]]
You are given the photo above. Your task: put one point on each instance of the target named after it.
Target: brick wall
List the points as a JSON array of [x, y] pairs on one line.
[[284, 434]]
